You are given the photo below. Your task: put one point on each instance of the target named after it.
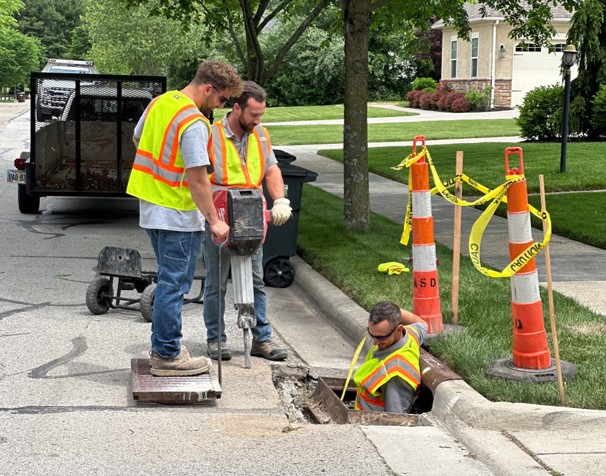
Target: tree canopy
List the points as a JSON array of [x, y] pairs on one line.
[[52, 22]]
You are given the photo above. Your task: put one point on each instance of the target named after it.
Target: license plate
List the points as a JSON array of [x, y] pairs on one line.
[[16, 176]]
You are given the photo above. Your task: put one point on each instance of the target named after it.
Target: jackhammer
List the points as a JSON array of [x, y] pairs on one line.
[[244, 210]]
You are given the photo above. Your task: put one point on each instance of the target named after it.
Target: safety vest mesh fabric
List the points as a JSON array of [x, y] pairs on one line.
[[228, 168], [158, 174], [374, 373]]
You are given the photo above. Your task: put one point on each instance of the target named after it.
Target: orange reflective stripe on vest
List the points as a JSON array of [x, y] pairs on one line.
[[229, 171], [159, 174]]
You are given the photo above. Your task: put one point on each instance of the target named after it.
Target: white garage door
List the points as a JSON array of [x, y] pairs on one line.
[[532, 69]]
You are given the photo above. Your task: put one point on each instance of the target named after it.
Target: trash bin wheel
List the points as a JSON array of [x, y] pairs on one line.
[[98, 295], [147, 302], [279, 273]]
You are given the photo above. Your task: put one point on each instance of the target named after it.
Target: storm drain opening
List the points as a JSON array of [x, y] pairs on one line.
[[312, 398], [314, 395]]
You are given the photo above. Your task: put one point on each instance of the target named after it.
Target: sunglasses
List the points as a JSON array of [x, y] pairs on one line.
[[381, 338], [222, 98]]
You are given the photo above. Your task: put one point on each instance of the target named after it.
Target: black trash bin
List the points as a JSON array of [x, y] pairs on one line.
[[20, 96], [281, 241]]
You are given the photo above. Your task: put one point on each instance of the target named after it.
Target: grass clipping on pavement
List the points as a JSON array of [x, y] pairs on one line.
[[349, 259]]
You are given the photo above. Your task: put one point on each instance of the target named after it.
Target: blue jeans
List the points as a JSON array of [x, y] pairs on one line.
[[212, 298], [177, 253]]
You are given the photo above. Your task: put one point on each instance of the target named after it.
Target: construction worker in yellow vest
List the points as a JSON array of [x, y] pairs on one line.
[[388, 379], [170, 178], [242, 157]]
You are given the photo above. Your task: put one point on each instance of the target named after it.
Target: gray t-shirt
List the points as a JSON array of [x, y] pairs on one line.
[[398, 395], [193, 150]]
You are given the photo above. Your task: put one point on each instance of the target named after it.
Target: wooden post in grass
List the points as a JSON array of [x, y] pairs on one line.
[[456, 245], [554, 332]]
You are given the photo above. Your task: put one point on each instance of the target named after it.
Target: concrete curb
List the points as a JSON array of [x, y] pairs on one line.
[[481, 425]]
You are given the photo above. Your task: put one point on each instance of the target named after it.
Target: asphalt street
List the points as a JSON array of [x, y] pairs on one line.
[[66, 403]]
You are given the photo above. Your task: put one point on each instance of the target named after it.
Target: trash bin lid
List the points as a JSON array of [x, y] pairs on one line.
[[284, 157], [295, 171]]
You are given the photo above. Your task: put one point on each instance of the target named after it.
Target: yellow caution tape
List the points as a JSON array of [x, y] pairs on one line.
[[353, 364], [477, 231], [497, 195]]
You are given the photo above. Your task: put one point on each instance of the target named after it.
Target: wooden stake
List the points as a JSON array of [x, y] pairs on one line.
[[554, 332], [456, 245]]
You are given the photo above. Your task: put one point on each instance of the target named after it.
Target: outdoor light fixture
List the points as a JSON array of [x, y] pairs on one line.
[[502, 51], [568, 59]]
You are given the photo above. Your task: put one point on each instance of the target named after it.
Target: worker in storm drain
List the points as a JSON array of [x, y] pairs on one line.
[[388, 379]]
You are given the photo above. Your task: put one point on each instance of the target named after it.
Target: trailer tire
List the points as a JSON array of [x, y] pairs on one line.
[[29, 204], [98, 295], [147, 302]]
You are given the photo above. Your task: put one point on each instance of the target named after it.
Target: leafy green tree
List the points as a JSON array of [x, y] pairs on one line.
[[243, 22], [19, 56], [52, 22], [587, 32], [131, 41], [8, 8]]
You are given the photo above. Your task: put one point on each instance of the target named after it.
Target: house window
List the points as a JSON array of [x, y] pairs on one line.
[[528, 48], [559, 47], [474, 55], [453, 58]]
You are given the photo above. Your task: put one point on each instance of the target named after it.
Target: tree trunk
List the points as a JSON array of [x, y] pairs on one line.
[[356, 206]]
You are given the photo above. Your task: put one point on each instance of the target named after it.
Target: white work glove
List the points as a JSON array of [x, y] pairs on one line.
[[281, 211]]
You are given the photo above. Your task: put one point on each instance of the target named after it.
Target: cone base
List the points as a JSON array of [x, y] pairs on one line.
[[505, 368]]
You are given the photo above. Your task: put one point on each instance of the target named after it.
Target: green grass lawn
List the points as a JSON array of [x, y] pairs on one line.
[[485, 163], [315, 113], [403, 131], [350, 261]]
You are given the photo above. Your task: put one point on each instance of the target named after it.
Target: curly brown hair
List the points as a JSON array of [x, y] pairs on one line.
[[220, 75]]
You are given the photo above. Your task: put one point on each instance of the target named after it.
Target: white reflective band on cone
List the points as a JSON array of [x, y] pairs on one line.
[[424, 257], [525, 288], [519, 227], [421, 204]]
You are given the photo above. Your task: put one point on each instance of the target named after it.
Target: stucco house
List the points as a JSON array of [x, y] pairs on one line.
[[511, 67]]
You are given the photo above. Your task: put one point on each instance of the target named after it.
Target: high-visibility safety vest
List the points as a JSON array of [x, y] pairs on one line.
[[374, 373], [227, 163], [158, 175]]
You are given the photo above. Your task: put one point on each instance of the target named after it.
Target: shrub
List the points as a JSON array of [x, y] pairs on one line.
[[479, 100], [460, 104], [421, 84], [598, 114], [445, 101], [413, 98], [540, 113], [425, 100]]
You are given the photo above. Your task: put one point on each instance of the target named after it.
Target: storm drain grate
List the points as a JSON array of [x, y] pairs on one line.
[[171, 390]]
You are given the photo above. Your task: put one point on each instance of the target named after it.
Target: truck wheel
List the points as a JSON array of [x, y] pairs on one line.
[[279, 273], [27, 203], [147, 302], [99, 295]]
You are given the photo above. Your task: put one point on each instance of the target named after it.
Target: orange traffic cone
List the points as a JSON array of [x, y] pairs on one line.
[[530, 350], [426, 299]]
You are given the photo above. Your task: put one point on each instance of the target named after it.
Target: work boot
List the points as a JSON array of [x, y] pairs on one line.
[[213, 351], [180, 366], [268, 350]]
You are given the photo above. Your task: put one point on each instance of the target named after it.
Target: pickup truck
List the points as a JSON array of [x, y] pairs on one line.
[[52, 93], [87, 150]]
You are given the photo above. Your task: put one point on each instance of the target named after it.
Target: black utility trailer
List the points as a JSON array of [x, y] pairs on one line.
[[86, 149]]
